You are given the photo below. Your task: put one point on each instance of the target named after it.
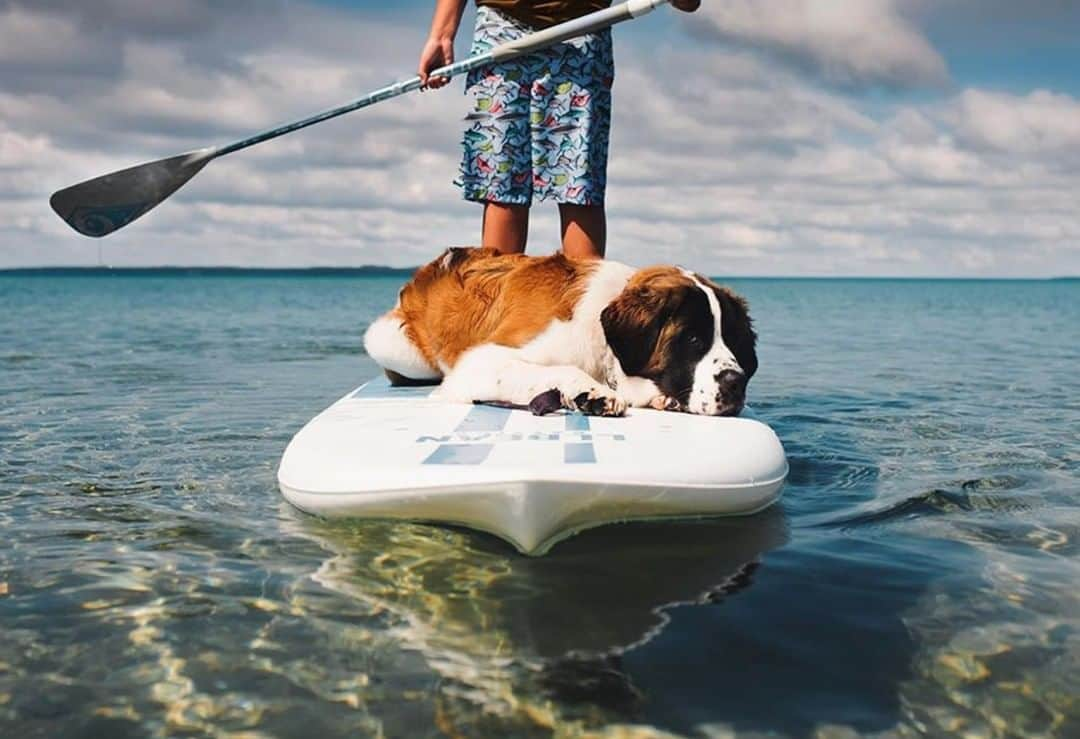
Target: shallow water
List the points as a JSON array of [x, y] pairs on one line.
[[919, 577]]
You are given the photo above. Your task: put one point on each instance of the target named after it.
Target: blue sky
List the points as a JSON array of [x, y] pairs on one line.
[[755, 137]]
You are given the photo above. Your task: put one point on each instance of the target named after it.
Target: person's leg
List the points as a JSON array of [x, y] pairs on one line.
[[506, 227], [496, 169], [584, 231], [570, 141]]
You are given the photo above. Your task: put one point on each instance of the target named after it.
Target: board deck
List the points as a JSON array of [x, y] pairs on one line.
[[386, 452]]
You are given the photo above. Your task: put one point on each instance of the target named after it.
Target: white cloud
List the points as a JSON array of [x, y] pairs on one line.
[[868, 42], [1040, 123], [38, 39]]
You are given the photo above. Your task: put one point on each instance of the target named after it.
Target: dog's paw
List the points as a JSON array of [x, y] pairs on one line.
[[664, 403], [598, 402], [547, 402], [595, 402]]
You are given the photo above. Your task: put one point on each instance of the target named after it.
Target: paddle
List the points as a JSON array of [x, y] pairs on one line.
[[105, 204]]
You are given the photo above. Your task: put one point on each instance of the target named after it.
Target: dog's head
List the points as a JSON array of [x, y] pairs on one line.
[[688, 335]]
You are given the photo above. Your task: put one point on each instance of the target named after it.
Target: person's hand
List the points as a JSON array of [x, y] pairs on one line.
[[687, 6], [438, 52]]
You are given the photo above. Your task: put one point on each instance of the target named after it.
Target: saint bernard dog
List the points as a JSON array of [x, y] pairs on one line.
[[552, 332]]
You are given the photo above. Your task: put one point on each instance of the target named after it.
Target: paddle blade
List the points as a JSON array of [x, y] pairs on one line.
[[105, 204]]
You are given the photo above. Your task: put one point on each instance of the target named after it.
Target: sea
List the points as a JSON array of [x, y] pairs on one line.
[[920, 576]]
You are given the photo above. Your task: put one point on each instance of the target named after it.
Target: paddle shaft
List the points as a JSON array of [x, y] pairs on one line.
[[510, 50], [383, 93]]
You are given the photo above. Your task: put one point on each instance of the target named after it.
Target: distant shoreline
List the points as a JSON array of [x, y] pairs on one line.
[[366, 271], [404, 272]]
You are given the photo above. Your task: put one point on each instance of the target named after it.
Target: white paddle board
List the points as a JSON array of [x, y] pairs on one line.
[[397, 453]]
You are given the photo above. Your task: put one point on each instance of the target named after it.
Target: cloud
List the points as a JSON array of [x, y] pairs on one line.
[[855, 44], [1041, 123], [722, 160]]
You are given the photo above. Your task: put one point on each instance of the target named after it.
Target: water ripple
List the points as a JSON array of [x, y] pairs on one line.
[[969, 496], [919, 577]]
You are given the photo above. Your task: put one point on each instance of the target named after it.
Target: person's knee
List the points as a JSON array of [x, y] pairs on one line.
[[584, 230], [505, 227], [573, 211], [510, 210]]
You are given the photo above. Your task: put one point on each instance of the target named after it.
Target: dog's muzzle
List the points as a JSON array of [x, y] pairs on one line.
[[730, 393]]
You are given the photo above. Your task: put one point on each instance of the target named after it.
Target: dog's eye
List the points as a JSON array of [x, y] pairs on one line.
[[695, 341]]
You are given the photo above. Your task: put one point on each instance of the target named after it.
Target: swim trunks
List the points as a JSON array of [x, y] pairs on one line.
[[540, 124]]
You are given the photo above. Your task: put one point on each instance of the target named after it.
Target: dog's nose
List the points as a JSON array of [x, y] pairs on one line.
[[730, 383], [730, 392]]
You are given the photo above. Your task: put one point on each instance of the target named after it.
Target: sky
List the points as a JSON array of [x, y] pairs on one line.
[[752, 138]]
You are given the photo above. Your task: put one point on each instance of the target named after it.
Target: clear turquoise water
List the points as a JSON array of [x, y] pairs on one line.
[[920, 577]]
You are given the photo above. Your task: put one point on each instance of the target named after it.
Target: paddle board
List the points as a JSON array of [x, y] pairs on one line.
[[398, 453]]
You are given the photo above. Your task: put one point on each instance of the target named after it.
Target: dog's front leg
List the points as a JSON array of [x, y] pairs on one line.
[[643, 393], [498, 373]]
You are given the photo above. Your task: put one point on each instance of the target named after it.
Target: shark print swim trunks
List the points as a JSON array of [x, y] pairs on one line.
[[540, 124]]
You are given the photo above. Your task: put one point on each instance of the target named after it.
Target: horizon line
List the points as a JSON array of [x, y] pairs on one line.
[[59, 270]]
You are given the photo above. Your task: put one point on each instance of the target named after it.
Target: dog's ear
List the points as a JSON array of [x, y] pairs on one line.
[[632, 324], [737, 328]]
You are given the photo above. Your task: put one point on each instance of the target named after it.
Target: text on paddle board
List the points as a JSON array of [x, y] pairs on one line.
[[498, 437]]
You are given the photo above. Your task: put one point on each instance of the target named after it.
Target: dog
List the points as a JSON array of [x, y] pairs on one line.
[[552, 332]]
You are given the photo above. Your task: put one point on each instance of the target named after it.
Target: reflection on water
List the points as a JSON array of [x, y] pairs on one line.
[[919, 578], [507, 631]]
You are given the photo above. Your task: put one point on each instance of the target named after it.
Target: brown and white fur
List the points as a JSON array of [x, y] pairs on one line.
[[605, 336]]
